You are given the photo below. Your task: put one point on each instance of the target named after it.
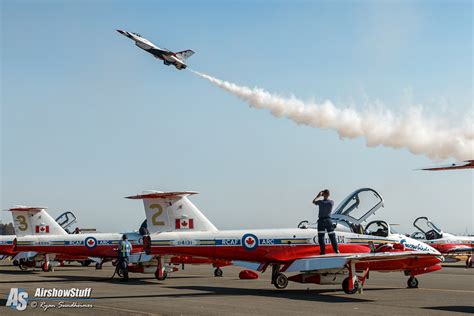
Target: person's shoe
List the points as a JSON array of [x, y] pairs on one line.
[[322, 253]]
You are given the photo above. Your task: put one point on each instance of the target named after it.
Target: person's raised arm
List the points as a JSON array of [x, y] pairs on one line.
[[317, 197]]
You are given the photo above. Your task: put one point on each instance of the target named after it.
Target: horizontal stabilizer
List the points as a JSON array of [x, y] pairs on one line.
[[185, 54], [21, 208], [160, 195]]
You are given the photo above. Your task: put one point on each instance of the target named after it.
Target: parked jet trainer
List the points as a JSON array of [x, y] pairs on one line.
[[178, 227], [168, 57], [453, 247]]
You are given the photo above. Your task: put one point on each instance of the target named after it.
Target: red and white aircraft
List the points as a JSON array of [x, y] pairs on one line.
[[30, 259], [468, 164], [452, 247], [39, 233], [6, 245], [178, 227]]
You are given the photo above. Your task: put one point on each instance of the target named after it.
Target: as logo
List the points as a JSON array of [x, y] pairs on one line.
[[17, 299], [250, 241], [90, 242]]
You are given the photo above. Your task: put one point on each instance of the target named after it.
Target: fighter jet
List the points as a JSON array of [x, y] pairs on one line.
[[468, 164], [168, 57]]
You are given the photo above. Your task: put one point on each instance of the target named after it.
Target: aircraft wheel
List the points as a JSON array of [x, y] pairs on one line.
[[345, 286], [281, 281], [469, 262], [23, 267], [412, 283], [16, 263], [86, 263], [218, 272], [98, 266], [162, 278]]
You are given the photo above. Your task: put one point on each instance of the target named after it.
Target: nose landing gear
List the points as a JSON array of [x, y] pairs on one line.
[[218, 272], [412, 282]]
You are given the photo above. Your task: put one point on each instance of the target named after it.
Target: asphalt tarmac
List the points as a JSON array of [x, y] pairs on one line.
[[196, 291]]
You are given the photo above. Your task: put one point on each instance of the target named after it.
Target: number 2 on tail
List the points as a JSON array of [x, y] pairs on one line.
[[157, 214]]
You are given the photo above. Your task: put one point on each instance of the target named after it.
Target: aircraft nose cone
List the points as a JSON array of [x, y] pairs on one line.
[[120, 31]]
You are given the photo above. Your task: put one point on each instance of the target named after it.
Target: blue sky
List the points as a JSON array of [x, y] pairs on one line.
[[88, 118]]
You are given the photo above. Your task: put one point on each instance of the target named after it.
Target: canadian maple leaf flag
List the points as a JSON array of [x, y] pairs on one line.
[[42, 229], [184, 223]]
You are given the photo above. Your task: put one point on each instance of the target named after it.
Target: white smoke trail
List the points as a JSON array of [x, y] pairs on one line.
[[430, 137]]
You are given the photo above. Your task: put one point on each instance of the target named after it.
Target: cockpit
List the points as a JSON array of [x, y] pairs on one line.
[[359, 205], [136, 34], [66, 220], [426, 229], [378, 228], [353, 211]]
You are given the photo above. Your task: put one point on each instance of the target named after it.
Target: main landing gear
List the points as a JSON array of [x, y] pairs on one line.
[[469, 262], [160, 274], [354, 283], [218, 272], [46, 266], [346, 289], [279, 280], [412, 282]]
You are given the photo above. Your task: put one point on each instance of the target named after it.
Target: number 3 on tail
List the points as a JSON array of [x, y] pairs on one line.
[[22, 225], [157, 214]]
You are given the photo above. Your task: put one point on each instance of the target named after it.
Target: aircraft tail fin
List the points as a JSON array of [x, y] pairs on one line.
[[34, 221], [172, 211], [185, 54]]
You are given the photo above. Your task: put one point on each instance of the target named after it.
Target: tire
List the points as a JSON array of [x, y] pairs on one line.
[[345, 286], [412, 283], [86, 263], [281, 281], [98, 266], [218, 272], [162, 278], [469, 262], [23, 267]]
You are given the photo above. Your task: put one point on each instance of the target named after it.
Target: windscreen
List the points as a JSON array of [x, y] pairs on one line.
[[361, 203]]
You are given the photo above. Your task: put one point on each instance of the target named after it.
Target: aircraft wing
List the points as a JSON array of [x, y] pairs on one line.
[[160, 51], [25, 255], [468, 164], [335, 261], [140, 257], [452, 249], [339, 261]]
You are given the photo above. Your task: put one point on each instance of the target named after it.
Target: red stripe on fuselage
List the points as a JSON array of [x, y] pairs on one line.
[[276, 253]]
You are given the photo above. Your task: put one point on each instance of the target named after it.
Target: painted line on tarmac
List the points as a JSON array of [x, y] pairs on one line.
[[421, 288], [135, 312]]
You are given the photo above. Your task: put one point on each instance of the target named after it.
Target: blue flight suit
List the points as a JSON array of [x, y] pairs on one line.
[[325, 224]]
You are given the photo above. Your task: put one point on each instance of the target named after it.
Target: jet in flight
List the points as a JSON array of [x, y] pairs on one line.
[[168, 57]]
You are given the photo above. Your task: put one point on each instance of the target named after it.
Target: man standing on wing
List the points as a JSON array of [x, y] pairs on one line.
[[324, 221]]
